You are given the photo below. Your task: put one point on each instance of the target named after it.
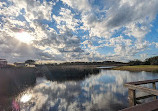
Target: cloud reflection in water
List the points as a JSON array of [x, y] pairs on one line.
[[104, 91]]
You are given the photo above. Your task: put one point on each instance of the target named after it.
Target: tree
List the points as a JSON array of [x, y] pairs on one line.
[[30, 62], [135, 62], [152, 61]]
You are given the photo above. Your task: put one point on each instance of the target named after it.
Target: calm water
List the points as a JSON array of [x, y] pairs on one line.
[[102, 92]]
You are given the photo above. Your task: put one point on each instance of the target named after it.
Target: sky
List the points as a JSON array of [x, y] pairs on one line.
[[78, 30]]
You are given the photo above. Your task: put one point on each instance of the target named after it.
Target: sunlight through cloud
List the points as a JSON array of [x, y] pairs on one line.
[[24, 37]]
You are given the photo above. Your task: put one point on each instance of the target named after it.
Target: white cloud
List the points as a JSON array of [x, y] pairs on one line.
[[143, 56], [99, 22], [82, 5], [50, 44], [136, 31], [120, 40], [66, 19], [155, 43]]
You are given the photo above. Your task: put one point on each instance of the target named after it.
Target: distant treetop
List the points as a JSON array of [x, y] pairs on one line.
[[148, 61], [152, 61], [30, 61]]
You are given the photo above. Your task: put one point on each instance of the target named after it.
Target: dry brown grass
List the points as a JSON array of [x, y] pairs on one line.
[[148, 68], [69, 72]]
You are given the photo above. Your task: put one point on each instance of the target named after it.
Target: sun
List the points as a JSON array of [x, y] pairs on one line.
[[24, 37]]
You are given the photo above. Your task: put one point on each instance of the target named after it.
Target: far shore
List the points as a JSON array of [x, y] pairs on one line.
[[147, 68]]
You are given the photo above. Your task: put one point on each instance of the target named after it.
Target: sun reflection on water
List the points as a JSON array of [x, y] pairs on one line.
[[25, 98]]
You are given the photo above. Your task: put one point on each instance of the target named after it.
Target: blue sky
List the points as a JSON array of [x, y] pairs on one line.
[[78, 30]]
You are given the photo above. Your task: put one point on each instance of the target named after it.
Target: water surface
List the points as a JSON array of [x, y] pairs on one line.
[[101, 92]]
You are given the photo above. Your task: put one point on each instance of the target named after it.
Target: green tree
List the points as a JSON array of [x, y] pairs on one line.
[[30, 61], [152, 61], [135, 62]]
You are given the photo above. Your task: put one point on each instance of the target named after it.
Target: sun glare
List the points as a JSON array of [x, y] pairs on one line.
[[25, 98], [24, 37]]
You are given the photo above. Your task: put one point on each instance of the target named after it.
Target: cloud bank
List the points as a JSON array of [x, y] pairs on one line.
[[80, 30]]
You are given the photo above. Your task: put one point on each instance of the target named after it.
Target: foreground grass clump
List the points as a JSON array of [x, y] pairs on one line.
[[14, 80], [148, 68]]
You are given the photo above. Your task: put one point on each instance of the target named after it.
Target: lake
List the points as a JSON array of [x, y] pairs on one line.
[[101, 92]]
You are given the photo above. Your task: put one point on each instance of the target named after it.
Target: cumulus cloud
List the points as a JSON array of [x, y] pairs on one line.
[[82, 5], [103, 22], [47, 43], [58, 27], [13, 49], [155, 43], [65, 20], [13, 21]]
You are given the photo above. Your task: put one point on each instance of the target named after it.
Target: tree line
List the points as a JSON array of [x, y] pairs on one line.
[[148, 61]]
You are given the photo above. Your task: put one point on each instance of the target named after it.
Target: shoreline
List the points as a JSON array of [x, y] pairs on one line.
[[138, 68]]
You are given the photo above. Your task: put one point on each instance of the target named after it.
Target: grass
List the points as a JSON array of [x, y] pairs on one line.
[[148, 68], [62, 73], [13, 80]]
